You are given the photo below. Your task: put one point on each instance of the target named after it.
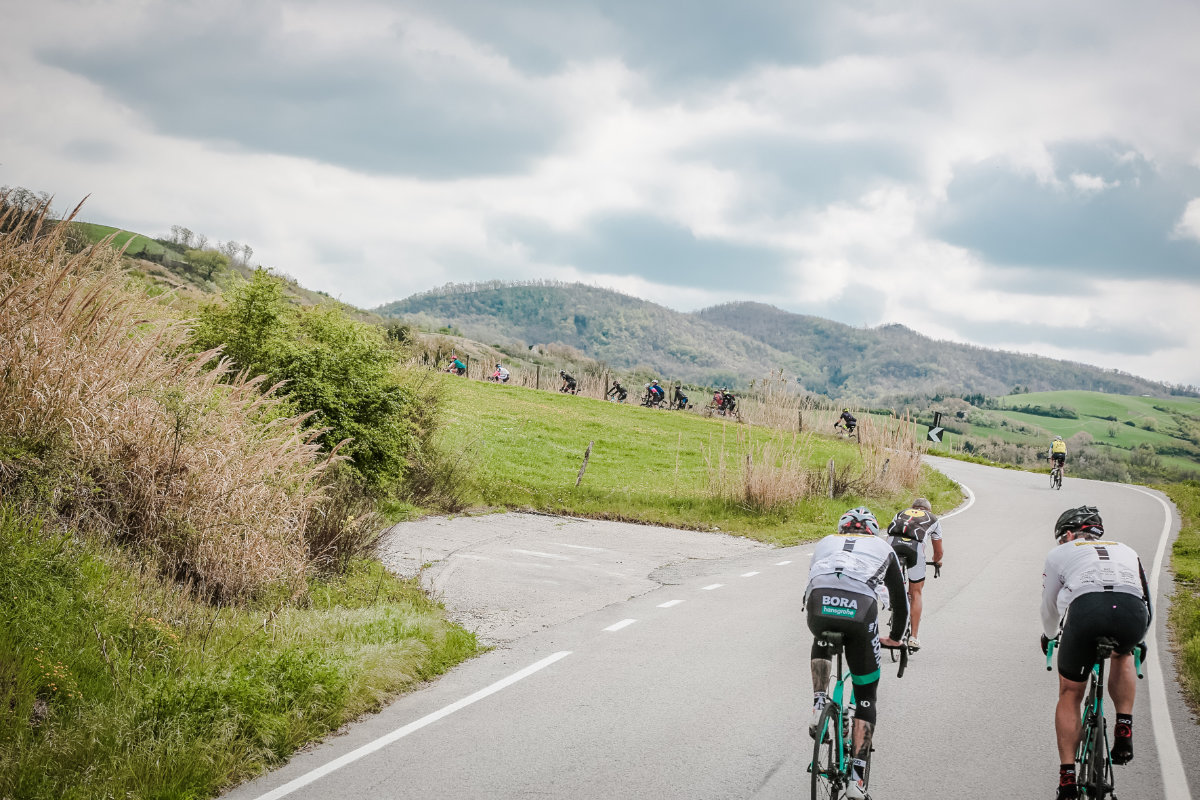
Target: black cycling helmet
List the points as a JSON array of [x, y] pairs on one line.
[[1074, 519], [859, 520]]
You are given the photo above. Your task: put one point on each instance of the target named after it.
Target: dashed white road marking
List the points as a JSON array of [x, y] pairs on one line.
[[712, 586], [669, 603], [581, 547], [540, 554], [472, 556], [749, 574], [616, 626], [782, 563], [399, 733]]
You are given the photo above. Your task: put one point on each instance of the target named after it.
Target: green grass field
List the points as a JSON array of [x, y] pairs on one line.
[[526, 448], [1185, 605], [138, 245]]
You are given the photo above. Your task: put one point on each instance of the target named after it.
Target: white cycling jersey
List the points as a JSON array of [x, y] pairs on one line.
[[1084, 566], [857, 556]]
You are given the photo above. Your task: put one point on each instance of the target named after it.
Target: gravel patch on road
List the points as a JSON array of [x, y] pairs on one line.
[[505, 576]]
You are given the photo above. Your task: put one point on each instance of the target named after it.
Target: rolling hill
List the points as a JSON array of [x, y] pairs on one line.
[[739, 342]]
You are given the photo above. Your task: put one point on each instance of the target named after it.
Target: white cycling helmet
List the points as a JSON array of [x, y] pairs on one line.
[[859, 520]]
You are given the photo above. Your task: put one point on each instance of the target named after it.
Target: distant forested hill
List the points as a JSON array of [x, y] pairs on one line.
[[738, 342]]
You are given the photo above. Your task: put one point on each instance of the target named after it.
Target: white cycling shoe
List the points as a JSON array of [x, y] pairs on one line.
[[914, 644], [856, 791]]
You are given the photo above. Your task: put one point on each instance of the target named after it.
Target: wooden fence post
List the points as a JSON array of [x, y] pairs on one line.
[[537, 382], [831, 474], [586, 455]]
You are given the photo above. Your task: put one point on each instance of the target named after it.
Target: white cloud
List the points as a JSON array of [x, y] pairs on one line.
[[1188, 226]]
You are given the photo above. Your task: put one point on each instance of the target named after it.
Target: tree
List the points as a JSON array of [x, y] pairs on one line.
[[207, 262]]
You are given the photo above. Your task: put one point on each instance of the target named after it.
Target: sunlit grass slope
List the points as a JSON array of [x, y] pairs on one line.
[[526, 448]]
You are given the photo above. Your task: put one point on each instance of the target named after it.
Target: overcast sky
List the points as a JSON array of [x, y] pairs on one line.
[[1021, 175]]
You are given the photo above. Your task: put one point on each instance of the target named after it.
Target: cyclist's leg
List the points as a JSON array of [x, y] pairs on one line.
[[1066, 717], [916, 602], [862, 657], [1086, 620]]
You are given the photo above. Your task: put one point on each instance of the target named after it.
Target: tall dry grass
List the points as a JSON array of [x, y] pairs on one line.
[[108, 421]]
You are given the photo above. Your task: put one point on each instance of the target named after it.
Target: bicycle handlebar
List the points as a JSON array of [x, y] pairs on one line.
[[903, 648], [1050, 655], [937, 568]]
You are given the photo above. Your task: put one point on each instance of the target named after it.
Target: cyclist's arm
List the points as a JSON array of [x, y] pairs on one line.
[[893, 579], [1051, 584], [1146, 591], [937, 550]]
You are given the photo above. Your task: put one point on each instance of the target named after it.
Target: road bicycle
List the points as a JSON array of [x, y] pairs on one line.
[[905, 562], [1056, 477], [846, 432], [1093, 761], [831, 767]]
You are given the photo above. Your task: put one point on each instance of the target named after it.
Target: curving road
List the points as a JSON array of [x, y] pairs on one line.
[[697, 685]]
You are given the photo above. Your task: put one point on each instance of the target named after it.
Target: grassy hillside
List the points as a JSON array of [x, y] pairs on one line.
[[525, 449]]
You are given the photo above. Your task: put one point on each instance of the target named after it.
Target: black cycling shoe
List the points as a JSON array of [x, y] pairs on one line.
[[1122, 749], [1067, 791]]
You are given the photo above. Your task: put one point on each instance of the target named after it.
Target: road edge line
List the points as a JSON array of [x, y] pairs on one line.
[[1175, 785], [970, 500], [399, 733]]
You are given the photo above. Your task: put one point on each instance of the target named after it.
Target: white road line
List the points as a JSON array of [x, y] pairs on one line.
[[1175, 786], [616, 626], [669, 603], [581, 547], [970, 502], [749, 574], [712, 586], [783, 563], [399, 733], [542, 555], [471, 556]]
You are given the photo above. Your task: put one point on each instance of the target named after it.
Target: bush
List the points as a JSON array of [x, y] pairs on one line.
[[109, 421], [346, 372]]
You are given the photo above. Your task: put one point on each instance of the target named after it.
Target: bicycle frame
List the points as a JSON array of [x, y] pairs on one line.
[[1093, 760]]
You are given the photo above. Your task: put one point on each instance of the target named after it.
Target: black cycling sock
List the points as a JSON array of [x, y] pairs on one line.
[[860, 767], [1066, 774], [1125, 719]]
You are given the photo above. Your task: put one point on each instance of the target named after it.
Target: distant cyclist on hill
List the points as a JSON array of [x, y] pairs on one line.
[[456, 366], [1058, 452], [847, 569], [906, 534], [846, 420], [568, 383], [501, 375], [618, 392]]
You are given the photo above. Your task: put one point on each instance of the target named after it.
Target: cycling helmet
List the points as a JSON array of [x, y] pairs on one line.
[[655, 383], [497, 366], [1074, 519], [921, 502], [1058, 438], [562, 372], [858, 520]]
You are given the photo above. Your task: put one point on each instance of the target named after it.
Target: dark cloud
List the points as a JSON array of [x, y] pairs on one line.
[[1124, 231], [1128, 341], [236, 80], [654, 249]]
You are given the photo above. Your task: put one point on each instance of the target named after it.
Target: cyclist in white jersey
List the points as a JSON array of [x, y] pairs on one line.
[[907, 534], [848, 570], [1092, 587]]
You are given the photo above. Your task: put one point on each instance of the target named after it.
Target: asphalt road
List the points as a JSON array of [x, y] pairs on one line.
[[696, 685]]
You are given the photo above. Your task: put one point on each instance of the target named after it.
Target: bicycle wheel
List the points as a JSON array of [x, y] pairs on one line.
[[826, 774]]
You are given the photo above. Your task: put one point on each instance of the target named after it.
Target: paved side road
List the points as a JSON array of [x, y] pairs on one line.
[[506, 576]]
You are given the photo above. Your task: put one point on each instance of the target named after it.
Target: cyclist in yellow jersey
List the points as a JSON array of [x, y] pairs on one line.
[[1058, 451]]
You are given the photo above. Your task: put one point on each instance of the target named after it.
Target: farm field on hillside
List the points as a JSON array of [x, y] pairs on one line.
[[667, 467]]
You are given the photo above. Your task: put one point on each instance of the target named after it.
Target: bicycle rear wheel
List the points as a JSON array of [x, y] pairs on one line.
[[826, 772], [1094, 774]]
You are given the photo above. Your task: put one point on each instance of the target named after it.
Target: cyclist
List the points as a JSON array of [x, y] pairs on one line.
[[568, 383], [1058, 452], [1101, 589], [656, 393], [846, 419], [456, 366], [728, 401], [618, 392], [843, 580], [501, 375], [679, 398], [906, 534]]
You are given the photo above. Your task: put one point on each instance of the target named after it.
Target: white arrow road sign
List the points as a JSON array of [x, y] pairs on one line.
[[935, 434]]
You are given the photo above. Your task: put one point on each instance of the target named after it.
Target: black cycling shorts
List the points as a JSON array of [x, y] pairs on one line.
[[1059, 458], [1117, 615], [854, 615]]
